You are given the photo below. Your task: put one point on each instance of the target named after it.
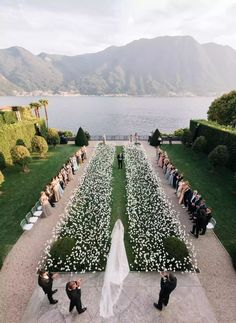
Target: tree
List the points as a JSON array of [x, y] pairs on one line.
[[53, 137], [187, 137], [219, 156], [199, 144], [21, 156], [155, 138], [39, 145], [81, 139], [36, 106], [223, 109], [44, 103]]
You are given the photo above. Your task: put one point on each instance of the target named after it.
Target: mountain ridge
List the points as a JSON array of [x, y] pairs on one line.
[[166, 65]]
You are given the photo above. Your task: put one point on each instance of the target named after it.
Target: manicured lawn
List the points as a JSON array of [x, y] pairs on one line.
[[119, 201], [218, 189], [21, 191]]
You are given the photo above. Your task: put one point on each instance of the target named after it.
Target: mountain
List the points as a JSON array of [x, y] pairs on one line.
[[166, 65]]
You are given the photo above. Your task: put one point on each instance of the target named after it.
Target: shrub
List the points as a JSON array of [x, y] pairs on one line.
[[9, 134], [179, 132], [20, 142], [1, 178], [175, 248], [219, 156], [186, 137], [53, 137], [61, 248], [81, 139], [215, 135], [21, 156], [155, 138], [223, 109], [9, 117], [39, 145], [199, 144]]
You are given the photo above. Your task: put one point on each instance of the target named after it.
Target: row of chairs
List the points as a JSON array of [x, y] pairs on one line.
[[32, 217]]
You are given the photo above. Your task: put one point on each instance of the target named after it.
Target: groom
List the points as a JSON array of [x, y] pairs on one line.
[[168, 284]]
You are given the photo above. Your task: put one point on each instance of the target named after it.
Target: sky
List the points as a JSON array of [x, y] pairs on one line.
[[72, 27]]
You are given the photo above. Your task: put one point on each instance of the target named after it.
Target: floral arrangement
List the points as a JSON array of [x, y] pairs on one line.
[[87, 218], [151, 218]]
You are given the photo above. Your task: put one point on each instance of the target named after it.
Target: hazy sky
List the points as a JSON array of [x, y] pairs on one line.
[[80, 26]]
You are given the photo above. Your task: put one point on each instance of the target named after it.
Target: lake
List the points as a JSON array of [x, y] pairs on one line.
[[119, 115]]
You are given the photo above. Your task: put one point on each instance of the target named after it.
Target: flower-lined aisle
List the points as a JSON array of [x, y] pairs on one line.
[[85, 224], [151, 218]]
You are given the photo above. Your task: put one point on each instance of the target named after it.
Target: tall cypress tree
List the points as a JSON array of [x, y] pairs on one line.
[[81, 139], [154, 141]]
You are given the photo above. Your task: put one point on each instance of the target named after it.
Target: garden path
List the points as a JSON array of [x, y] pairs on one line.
[[217, 275], [18, 277], [135, 304]]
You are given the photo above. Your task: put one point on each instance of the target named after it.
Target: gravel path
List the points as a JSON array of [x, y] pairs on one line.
[[18, 277], [217, 274]]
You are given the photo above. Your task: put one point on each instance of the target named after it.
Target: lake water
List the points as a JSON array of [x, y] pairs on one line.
[[119, 115]]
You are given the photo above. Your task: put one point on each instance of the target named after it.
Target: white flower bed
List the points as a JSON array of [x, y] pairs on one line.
[[151, 217], [87, 218]]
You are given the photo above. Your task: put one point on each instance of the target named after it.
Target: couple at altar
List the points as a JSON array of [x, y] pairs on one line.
[[117, 269]]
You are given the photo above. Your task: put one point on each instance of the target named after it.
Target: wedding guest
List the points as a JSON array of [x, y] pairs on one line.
[[45, 281], [168, 284], [208, 216], [73, 291], [120, 158], [50, 195], [46, 207]]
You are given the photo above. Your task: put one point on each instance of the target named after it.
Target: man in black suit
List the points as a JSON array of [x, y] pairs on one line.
[[45, 281], [168, 284], [73, 292], [120, 158]]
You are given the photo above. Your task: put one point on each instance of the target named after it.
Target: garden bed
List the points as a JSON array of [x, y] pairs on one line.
[[82, 237], [155, 232]]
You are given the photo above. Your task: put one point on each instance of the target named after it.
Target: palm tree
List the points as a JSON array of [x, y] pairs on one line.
[[36, 106], [44, 103]]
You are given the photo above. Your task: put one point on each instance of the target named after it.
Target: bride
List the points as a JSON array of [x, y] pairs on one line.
[[117, 269]]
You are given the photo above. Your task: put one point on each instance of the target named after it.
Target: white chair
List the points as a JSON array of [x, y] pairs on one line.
[[211, 224], [26, 226], [35, 212], [38, 206], [31, 219]]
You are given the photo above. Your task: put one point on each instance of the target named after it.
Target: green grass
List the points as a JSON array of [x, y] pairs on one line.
[[21, 191], [218, 189], [119, 201]]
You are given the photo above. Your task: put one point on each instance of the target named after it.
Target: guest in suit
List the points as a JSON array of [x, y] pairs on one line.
[[73, 292], [120, 158], [168, 284], [45, 281]]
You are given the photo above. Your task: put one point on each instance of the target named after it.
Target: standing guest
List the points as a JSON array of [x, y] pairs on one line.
[[199, 222], [73, 292], [50, 195], [168, 284], [207, 218], [120, 158], [46, 207], [45, 281]]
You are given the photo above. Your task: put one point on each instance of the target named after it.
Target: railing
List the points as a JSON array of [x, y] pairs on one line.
[[127, 138], [118, 137]]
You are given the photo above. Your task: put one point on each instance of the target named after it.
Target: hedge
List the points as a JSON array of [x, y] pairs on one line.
[[216, 135], [11, 133]]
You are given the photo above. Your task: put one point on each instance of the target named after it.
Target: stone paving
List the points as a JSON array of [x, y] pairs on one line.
[[135, 304]]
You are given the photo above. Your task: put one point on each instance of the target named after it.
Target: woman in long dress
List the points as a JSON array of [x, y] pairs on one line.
[[46, 207]]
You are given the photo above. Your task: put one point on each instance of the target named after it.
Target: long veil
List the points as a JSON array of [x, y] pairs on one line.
[[117, 269]]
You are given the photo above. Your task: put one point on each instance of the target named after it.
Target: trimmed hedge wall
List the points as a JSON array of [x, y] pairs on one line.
[[9, 134], [216, 135]]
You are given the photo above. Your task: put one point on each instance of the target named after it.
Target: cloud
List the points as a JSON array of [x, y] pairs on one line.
[[74, 26]]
